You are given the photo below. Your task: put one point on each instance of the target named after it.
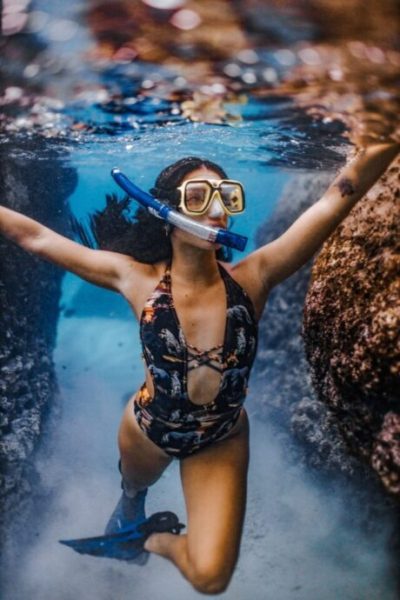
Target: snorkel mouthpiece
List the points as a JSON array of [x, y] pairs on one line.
[[227, 238], [165, 212]]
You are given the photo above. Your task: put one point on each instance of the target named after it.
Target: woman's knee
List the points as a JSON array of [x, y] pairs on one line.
[[209, 577]]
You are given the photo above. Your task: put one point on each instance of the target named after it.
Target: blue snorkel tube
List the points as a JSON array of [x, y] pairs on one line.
[[163, 211]]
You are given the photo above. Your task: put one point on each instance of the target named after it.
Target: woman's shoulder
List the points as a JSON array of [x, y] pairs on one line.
[[238, 273], [139, 275], [140, 281], [247, 276], [142, 272]]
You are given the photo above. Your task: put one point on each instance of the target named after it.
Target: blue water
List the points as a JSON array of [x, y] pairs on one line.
[[296, 542]]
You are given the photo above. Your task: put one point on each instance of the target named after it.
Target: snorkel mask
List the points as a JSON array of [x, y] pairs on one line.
[[231, 195], [198, 194]]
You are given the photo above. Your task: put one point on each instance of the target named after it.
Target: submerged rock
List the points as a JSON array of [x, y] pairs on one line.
[[352, 329], [29, 296]]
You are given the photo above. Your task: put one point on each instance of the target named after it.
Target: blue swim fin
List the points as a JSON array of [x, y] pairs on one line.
[[127, 513], [128, 544]]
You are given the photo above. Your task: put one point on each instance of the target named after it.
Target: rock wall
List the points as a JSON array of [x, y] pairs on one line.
[[34, 181], [352, 329]]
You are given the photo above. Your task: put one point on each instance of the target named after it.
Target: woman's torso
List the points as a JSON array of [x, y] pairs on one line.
[[184, 380]]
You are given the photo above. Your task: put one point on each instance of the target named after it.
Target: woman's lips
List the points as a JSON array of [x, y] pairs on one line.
[[216, 225]]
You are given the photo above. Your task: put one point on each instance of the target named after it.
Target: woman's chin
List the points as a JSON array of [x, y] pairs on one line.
[[197, 242]]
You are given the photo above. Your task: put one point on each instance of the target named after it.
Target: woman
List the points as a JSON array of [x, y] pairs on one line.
[[198, 321]]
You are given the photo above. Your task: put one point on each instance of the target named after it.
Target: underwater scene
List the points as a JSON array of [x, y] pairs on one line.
[[279, 93]]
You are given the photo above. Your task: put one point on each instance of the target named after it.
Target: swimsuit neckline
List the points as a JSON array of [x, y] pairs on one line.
[[168, 280], [163, 290]]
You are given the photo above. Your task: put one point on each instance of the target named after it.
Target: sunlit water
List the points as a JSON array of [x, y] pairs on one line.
[[297, 542]]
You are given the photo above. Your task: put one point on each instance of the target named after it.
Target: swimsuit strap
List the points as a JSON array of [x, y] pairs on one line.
[[166, 278], [211, 358], [198, 351], [236, 294]]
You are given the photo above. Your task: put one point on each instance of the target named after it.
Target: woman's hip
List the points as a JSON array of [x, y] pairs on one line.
[[186, 432]]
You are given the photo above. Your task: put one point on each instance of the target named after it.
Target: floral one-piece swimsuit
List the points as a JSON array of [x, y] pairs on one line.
[[169, 418]]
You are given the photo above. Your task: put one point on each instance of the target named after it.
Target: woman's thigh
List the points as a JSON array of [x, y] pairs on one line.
[[215, 486], [142, 461]]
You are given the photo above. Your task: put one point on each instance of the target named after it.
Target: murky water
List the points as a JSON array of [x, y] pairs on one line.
[[299, 540]]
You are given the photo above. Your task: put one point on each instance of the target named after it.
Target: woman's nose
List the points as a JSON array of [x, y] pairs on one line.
[[216, 210]]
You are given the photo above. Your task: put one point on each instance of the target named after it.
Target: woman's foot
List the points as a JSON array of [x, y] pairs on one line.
[[127, 544]]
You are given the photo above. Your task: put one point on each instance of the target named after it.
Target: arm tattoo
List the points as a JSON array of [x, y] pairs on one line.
[[346, 187]]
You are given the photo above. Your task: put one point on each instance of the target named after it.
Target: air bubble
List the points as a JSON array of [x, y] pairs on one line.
[[186, 19]]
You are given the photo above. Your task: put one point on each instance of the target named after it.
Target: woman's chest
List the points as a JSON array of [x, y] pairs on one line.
[[201, 319]]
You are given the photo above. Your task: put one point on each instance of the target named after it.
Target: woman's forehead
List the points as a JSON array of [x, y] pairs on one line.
[[202, 173]]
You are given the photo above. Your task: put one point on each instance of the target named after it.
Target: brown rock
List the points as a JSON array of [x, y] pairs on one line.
[[386, 453], [352, 328]]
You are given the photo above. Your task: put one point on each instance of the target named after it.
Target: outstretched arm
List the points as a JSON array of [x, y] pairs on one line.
[[102, 268], [281, 258]]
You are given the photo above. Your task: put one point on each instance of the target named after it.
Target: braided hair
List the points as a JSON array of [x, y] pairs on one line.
[[144, 237]]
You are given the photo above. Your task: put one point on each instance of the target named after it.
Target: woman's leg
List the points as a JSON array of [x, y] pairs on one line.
[[142, 462], [214, 483]]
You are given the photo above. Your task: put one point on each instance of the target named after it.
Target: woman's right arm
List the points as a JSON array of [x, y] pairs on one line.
[[103, 268]]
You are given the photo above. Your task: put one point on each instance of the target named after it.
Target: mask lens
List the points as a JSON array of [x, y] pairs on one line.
[[232, 197], [196, 196]]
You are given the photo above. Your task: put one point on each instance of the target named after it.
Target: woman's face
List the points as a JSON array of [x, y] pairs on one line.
[[214, 217], [215, 212]]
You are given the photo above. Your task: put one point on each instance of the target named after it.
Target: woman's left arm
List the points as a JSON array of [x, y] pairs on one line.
[[281, 258]]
